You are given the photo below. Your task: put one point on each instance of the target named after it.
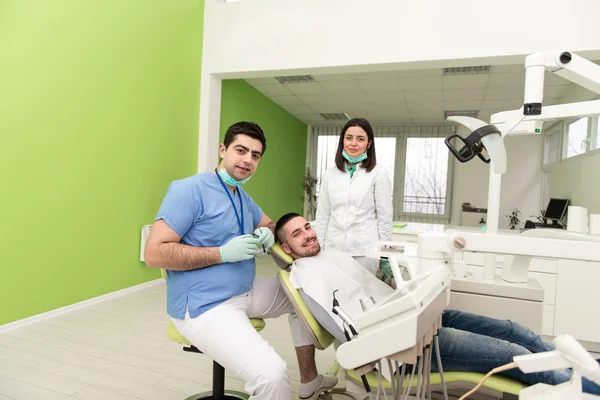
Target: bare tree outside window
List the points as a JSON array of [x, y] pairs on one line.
[[576, 137], [426, 176]]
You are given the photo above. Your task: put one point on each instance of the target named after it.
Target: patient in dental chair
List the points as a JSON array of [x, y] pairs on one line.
[[468, 342]]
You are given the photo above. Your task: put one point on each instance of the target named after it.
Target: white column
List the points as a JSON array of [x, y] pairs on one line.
[[210, 122], [493, 216]]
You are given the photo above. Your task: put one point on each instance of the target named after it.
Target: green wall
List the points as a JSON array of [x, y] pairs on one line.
[[99, 109], [276, 185]]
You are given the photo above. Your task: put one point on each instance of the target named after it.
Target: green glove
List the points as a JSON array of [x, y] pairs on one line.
[[265, 236], [386, 268], [239, 248]]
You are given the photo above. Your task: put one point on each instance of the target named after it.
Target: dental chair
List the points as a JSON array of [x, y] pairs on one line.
[[457, 383], [218, 391]]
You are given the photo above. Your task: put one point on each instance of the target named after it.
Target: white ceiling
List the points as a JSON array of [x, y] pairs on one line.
[[406, 97]]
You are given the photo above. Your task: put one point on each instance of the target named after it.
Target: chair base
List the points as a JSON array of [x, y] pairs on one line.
[[229, 395], [341, 394]]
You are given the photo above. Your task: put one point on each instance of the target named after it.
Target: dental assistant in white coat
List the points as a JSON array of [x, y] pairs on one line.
[[354, 210]]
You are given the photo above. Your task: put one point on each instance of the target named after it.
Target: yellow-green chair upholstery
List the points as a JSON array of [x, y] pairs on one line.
[[496, 383]]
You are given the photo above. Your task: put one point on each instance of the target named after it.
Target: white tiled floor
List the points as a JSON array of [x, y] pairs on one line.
[[118, 350]]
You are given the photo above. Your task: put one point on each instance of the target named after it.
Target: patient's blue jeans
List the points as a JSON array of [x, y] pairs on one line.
[[473, 343]]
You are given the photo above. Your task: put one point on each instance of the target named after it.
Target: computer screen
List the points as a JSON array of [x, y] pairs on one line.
[[556, 209]]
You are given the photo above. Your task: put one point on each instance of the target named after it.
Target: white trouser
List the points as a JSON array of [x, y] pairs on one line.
[[225, 334]]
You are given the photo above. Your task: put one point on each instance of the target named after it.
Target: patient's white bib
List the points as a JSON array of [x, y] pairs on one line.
[[333, 270]]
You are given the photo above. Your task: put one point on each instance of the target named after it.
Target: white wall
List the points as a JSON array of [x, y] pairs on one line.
[[521, 184], [292, 35], [578, 178]]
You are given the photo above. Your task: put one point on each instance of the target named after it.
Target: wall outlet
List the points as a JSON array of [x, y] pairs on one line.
[[145, 233]]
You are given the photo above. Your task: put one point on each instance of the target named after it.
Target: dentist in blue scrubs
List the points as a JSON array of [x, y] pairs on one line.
[[206, 235]]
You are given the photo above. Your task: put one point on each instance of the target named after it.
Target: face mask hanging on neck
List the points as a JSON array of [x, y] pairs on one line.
[[229, 180], [356, 159]]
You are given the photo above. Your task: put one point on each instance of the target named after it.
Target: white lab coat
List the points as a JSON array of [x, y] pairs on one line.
[[331, 270], [354, 213]]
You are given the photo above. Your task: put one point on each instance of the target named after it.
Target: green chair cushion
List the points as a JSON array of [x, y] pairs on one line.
[[282, 259], [175, 336], [497, 383]]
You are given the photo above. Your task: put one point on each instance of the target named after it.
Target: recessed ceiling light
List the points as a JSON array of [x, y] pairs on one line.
[[335, 116], [463, 113], [476, 70], [295, 79]]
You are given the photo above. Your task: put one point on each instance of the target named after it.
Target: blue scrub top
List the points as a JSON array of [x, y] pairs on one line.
[[199, 210]]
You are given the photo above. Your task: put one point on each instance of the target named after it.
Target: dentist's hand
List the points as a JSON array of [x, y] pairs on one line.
[[265, 236], [239, 248]]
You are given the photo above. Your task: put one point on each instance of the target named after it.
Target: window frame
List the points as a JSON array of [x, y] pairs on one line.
[[594, 133], [565, 139], [560, 126], [399, 213]]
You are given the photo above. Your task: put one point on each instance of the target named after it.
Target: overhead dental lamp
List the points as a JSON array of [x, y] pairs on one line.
[[484, 137]]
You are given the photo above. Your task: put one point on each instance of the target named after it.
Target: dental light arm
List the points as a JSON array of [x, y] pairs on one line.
[[528, 120], [563, 63]]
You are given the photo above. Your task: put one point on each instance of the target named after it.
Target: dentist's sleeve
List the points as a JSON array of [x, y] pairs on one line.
[[323, 211], [383, 204]]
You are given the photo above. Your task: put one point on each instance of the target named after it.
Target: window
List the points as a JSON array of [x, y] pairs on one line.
[[596, 134], [386, 154], [545, 189], [426, 175], [575, 138], [327, 147], [552, 145]]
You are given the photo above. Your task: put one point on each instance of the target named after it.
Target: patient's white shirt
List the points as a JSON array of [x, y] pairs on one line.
[[331, 270]]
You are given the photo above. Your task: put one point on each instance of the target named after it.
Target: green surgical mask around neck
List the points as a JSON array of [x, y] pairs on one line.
[[229, 180], [356, 159]]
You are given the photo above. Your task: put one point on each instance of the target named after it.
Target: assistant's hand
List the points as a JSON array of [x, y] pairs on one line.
[[265, 236], [386, 268], [239, 248]]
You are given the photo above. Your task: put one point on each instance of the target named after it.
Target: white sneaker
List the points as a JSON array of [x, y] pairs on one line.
[[328, 383]]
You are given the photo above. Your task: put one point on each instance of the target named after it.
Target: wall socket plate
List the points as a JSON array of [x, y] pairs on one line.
[[145, 233]]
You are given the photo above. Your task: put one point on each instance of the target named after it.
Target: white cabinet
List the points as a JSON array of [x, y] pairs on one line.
[[548, 282], [577, 300], [548, 320], [543, 270], [571, 294]]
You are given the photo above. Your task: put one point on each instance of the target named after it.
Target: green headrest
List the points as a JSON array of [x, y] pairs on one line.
[[282, 259]]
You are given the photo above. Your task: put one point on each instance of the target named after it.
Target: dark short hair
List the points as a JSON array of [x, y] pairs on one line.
[[371, 160], [281, 223], [245, 128]]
